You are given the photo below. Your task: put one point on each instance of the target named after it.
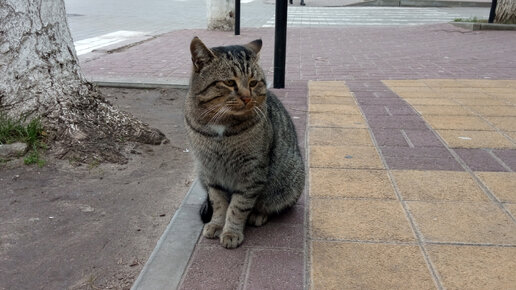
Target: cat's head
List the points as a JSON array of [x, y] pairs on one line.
[[226, 82]]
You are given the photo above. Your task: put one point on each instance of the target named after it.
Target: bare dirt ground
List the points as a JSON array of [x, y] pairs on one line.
[[93, 226]]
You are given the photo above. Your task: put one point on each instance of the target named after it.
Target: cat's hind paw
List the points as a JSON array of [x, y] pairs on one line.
[[212, 231], [231, 240], [257, 219]]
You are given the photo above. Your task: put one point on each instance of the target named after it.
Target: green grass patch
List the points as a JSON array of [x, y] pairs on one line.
[[31, 133], [471, 19]]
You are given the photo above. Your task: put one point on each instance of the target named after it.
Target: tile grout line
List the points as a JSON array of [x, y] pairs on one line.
[[419, 239], [244, 276], [463, 164], [500, 161]]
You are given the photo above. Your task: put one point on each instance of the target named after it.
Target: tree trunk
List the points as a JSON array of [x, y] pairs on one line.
[[221, 15], [506, 12], [40, 77]]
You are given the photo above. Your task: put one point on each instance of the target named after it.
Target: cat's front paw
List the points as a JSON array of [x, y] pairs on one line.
[[212, 231], [231, 240], [257, 219]]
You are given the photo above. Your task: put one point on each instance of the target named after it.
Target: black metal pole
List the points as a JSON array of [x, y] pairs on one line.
[[280, 44], [237, 17], [492, 13]]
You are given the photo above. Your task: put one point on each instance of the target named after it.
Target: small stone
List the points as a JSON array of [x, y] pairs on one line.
[[12, 150]]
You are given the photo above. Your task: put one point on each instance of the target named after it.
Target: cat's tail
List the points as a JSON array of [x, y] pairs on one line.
[[206, 210]]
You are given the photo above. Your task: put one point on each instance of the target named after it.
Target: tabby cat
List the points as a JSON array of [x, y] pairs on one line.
[[243, 140]]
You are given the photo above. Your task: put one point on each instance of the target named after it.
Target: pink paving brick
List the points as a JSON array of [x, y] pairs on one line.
[[508, 157], [275, 269], [479, 160], [215, 268]]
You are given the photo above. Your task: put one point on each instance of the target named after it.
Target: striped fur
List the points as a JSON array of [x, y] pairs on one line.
[[243, 140]]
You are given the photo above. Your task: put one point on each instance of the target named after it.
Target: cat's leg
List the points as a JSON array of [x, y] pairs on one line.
[[236, 217], [257, 219], [220, 205]]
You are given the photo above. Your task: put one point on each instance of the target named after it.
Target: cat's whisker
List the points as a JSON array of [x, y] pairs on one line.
[[209, 110]]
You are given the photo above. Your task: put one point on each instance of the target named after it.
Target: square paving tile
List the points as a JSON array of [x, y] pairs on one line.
[[458, 123], [396, 122], [504, 123], [444, 83], [205, 271], [437, 185], [512, 208], [489, 101], [431, 101], [471, 222], [334, 108], [501, 184], [442, 110], [423, 138], [408, 152], [389, 137], [496, 111], [275, 269], [507, 156], [475, 139], [367, 220], [368, 266], [404, 83], [332, 100], [340, 137], [345, 157], [350, 183], [479, 160], [423, 163], [337, 120], [471, 267]]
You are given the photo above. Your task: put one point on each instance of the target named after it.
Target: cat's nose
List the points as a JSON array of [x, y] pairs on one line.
[[246, 100], [244, 93]]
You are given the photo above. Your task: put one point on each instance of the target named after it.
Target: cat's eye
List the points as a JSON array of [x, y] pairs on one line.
[[253, 83], [230, 83]]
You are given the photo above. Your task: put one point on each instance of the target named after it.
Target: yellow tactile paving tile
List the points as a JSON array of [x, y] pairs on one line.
[[442, 110], [464, 105], [364, 220], [437, 186], [430, 101], [350, 183], [339, 137], [368, 266], [350, 109], [475, 139], [463, 222], [474, 267], [501, 184], [458, 123], [332, 100], [496, 111], [358, 157], [337, 120], [507, 124]]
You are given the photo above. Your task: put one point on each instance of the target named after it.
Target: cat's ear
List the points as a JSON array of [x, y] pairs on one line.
[[255, 46], [201, 55]]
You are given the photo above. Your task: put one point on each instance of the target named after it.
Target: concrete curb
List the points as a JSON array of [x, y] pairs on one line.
[[131, 84], [423, 3], [484, 26], [170, 257]]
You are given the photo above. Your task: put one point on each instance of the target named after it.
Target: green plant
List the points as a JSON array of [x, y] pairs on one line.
[[471, 19], [31, 133]]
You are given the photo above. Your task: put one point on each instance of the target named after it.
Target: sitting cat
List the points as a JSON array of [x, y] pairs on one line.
[[243, 140]]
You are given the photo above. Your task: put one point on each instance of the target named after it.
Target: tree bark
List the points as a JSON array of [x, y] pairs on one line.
[[40, 77], [221, 15], [506, 12]]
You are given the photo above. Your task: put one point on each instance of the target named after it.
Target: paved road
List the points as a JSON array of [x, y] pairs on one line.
[[360, 16], [96, 24]]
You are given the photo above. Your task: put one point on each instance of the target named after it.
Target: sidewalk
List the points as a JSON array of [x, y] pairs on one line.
[[410, 140]]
